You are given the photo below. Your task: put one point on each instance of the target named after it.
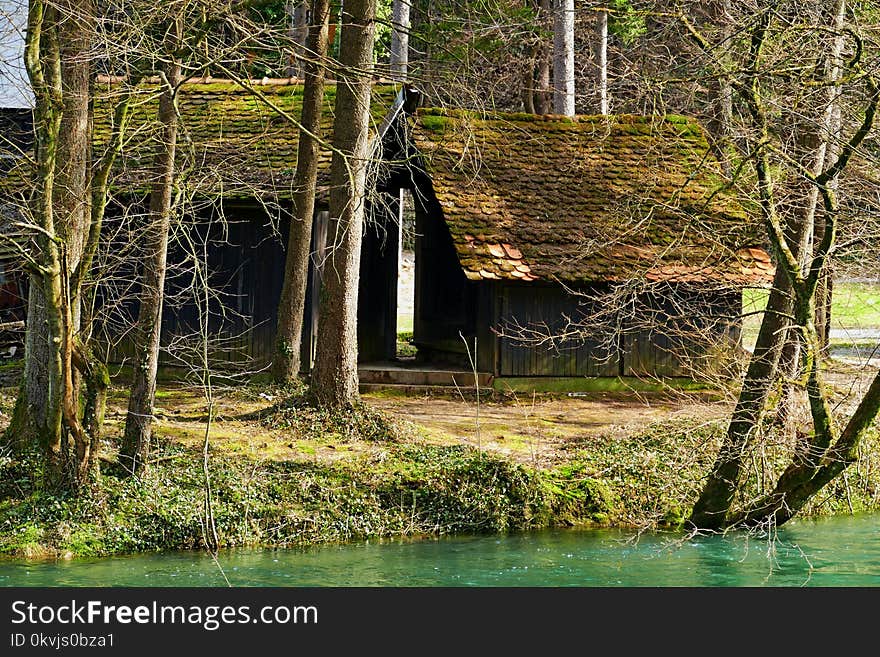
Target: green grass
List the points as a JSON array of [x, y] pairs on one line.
[[404, 323], [856, 306], [853, 306], [408, 490]]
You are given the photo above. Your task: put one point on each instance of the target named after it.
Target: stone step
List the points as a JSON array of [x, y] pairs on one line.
[[423, 377], [404, 389]]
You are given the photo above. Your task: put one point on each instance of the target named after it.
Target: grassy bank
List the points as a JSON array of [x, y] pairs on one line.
[[404, 490], [285, 475], [382, 481]]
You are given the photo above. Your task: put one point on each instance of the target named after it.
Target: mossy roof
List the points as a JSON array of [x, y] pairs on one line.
[[588, 198], [231, 142]]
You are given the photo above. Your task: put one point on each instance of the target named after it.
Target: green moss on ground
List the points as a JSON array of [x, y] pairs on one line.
[[591, 384], [404, 490]]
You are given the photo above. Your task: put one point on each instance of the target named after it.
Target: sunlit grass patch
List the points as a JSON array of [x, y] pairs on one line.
[[854, 307]]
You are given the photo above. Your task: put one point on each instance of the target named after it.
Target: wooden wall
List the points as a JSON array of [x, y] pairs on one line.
[[243, 253], [681, 331], [446, 303], [540, 329], [548, 332], [675, 331]]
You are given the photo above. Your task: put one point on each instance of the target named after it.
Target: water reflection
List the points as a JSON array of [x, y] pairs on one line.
[[830, 552]]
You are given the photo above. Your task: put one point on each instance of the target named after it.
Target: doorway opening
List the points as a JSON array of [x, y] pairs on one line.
[[406, 276]]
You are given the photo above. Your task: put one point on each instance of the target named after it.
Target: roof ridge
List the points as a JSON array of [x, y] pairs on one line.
[[209, 80], [625, 118]]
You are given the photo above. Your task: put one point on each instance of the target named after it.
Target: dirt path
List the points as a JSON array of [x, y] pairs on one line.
[[542, 430]]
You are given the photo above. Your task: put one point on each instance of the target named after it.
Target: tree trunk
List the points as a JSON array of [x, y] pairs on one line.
[[825, 289], [563, 57], [288, 335], [528, 76], [135, 449], [57, 57], [824, 297], [298, 15], [824, 454], [37, 416], [716, 498], [602, 61], [72, 197], [721, 124], [30, 424], [543, 97], [824, 457], [334, 380], [817, 142], [400, 27], [64, 45]]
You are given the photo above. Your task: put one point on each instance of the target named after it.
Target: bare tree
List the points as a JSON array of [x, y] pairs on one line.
[[286, 363], [334, 380], [138, 422], [826, 451], [63, 216], [57, 58], [563, 57]]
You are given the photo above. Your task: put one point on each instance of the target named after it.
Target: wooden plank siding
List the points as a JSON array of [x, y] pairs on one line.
[[244, 258], [532, 318], [678, 333], [683, 332]]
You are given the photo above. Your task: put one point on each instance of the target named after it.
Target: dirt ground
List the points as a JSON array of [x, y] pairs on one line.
[[539, 431]]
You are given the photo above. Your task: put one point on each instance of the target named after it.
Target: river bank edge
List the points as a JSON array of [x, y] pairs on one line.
[[382, 479]]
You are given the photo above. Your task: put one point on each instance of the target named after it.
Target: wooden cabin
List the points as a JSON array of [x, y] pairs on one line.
[[586, 246], [545, 246], [238, 154]]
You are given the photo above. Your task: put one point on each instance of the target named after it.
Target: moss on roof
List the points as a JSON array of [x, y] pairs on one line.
[[586, 198], [232, 143]]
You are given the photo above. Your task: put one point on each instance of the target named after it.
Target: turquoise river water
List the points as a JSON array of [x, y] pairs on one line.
[[842, 551]]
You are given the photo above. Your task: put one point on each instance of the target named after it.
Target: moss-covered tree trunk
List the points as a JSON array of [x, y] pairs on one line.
[[65, 225], [64, 51], [825, 452], [139, 419], [286, 364], [38, 419], [720, 488], [334, 380]]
